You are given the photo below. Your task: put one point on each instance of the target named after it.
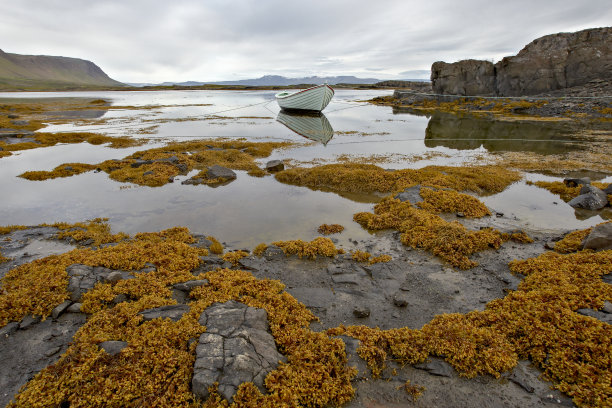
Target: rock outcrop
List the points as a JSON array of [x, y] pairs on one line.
[[237, 347], [549, 63]]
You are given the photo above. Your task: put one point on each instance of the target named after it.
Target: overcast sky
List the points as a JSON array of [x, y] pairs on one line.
[[213, 40]]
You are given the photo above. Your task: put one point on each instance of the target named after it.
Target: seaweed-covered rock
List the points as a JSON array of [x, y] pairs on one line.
[[600, 238], [236, 347], [113, 347], [275, 165]]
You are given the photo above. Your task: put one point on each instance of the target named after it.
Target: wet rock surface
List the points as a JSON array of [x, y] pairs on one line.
[[600, 238], [83, 278], [26, 351], [236, 347]]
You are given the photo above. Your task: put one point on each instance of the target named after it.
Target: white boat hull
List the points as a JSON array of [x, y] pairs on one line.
[[311, 99]]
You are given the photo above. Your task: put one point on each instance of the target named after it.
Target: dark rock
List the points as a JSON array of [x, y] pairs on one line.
[[180, 296], [436, 366], [574, 182], [68, 168], [172, 312], [315, 299], [192, 181], [140, 162], [81, 279], [114, 277], [273, 253], [607, 307], [361, 311], [608, 190], [236, 347], [589, 189], [113, 347], [520, 381], [460, 215], [411, 194], [601, 316], [9, 329], [274, 166], [28, 321], [148, 173], [59, 309], [20, 122], [400, 300], [590, 201], [120, 298], [221, 172], [12, 116], [600, 238], [74, 308]]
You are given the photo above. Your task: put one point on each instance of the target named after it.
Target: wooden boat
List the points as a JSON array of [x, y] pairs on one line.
[[312, 125], [311, 99]]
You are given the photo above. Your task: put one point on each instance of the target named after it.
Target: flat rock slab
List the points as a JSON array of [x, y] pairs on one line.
[[217, 171], [237, 347]]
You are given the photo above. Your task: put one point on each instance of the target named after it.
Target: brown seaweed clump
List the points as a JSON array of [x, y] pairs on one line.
[[327, 229], [234, 256], [449, 201], [51, 139], [536, 322], [157, 167], [362, 256], [367, 178], [450, 241], [3, 258], [318, 246]]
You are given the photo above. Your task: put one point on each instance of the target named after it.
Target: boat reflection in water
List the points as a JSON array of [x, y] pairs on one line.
[[313, 126]]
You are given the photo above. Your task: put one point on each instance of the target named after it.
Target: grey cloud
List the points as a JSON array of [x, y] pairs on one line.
[[155, 40]]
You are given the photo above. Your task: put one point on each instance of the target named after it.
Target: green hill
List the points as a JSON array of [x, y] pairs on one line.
[[43, 72]]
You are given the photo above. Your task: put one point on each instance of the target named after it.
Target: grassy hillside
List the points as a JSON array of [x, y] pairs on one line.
[[42, 72]]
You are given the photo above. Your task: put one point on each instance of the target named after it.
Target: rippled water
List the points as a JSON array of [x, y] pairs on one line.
[[253, 210]]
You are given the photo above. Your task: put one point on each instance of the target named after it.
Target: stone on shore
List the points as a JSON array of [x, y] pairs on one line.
[[590, 198], [600, 238], [217, 171], [172, 312], [574, 182], [274, 166]]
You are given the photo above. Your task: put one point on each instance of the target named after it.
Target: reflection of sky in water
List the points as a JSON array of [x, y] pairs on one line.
[[253, 210]]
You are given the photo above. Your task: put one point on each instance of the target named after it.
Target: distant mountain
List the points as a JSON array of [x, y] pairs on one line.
[[277, 80], [43, 72]]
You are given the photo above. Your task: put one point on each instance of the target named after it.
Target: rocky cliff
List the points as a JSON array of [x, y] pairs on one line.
[[549, 63], [48, 72]]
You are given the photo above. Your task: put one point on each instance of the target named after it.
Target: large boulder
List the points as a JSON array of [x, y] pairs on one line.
[[590, 198], [467, 77]]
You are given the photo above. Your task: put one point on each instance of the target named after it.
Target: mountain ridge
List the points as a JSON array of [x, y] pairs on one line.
[[41, 72]]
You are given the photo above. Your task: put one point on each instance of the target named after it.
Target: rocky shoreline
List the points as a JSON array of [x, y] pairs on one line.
[[408, 291]]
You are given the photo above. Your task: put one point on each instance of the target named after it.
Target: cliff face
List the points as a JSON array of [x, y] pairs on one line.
[[47, 72], [549, 63]]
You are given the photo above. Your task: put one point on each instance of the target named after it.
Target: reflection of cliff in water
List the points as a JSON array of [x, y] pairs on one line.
[[469, 132], [313, 126]]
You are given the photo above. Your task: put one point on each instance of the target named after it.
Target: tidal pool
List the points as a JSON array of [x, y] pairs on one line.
[[252, 210]]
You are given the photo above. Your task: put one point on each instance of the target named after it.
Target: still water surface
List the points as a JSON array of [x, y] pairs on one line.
[[253, 210]]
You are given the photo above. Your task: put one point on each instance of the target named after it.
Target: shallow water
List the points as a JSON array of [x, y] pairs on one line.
[[253, 210]]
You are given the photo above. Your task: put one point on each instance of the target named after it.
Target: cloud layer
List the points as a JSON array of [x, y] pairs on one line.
[[156, 41]]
